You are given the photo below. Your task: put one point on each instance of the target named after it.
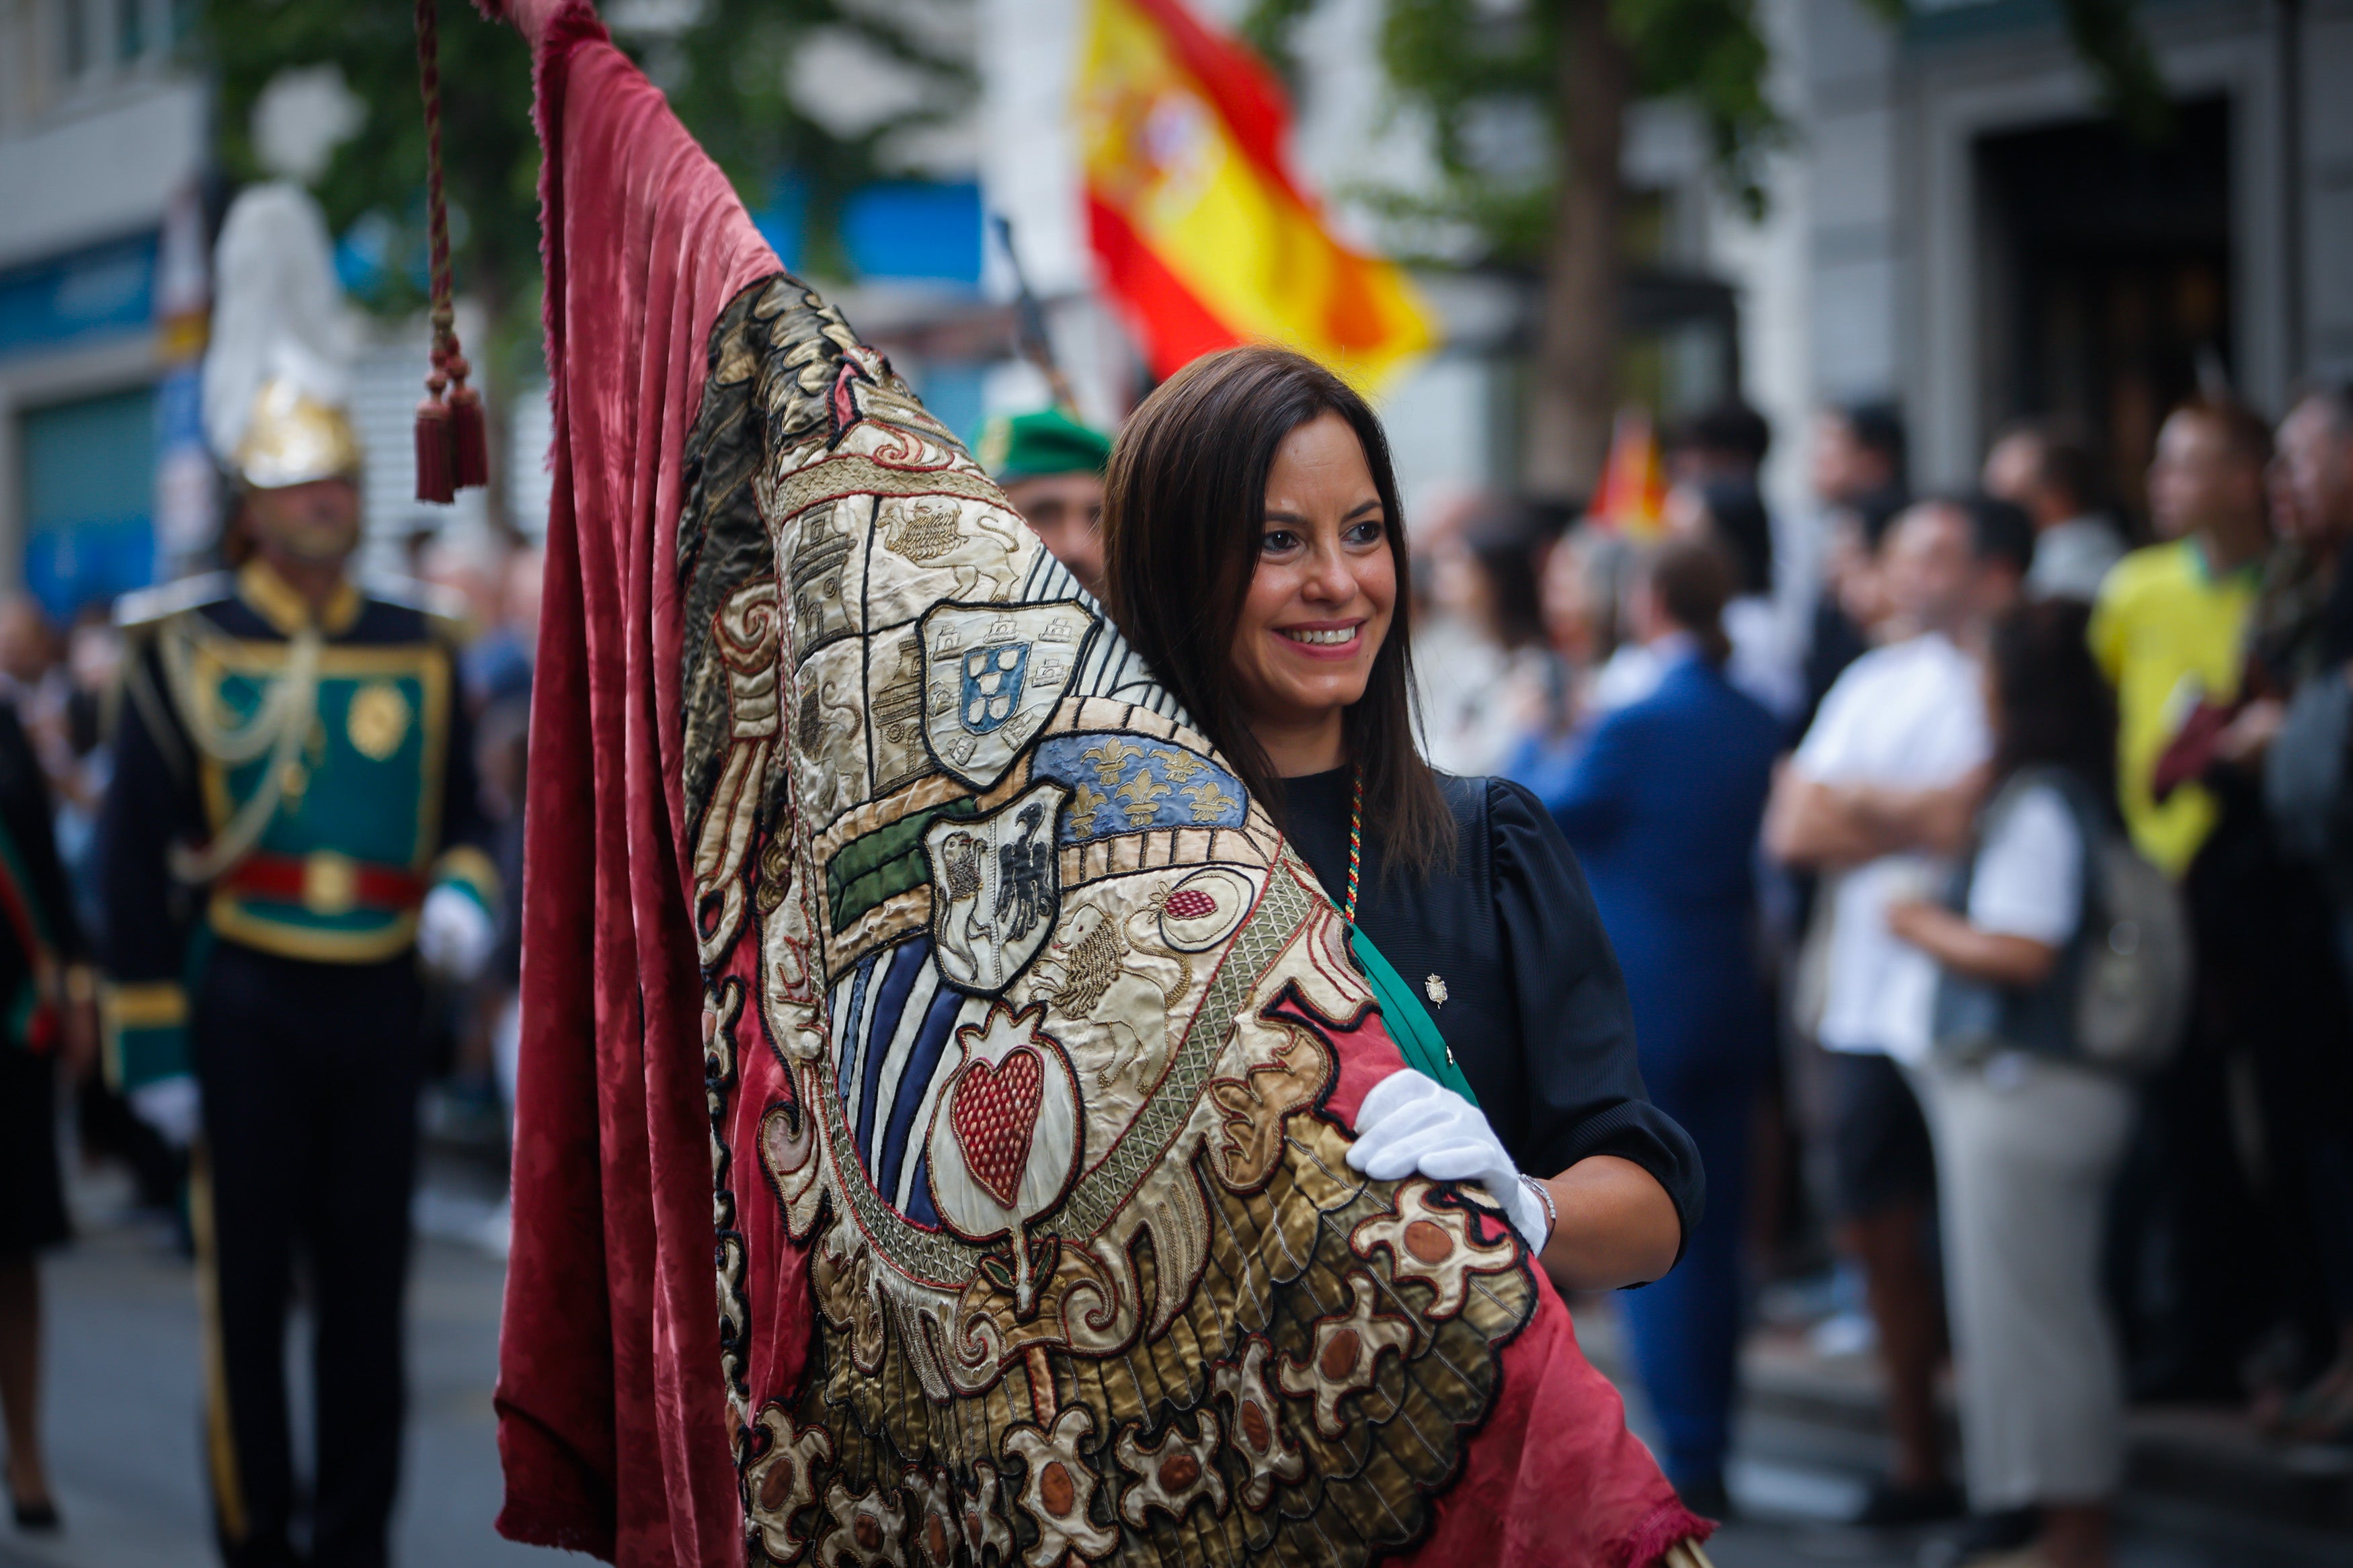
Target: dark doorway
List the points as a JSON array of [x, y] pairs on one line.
[[2105, 279]]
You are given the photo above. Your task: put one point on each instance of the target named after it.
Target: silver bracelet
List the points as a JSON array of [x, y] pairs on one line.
[[1552, 1214]]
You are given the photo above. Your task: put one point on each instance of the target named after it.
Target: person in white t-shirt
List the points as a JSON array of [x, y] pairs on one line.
[[1879, 793], [2028, 1142]]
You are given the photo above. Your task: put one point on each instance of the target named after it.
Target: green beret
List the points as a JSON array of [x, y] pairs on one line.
[[1025, 446]]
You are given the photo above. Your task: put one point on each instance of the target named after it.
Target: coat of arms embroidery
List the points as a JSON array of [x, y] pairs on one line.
[[992, 675], [996, 888]]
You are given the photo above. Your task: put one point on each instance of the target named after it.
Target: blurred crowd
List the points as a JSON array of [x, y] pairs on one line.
[[1980, 865], [1981, 881]]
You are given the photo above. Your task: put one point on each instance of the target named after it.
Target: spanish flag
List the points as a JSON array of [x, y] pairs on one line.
[[1633, 496], [1203, 234]]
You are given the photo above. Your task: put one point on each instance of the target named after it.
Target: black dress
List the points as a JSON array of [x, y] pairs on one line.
[[1534, 1008], [32, 1203]]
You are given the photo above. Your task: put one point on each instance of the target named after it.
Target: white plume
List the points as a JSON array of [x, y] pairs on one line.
[[278, 310]]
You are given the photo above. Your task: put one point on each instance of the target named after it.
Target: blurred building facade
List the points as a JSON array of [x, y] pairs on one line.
[[103, 144], [1454, 423], [110, 196], [1953, 226], [1960, 231]]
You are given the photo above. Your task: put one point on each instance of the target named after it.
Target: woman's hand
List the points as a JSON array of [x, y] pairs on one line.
[[2246, 739], [1615, 1226], [1913, 918], [1410, 1124]]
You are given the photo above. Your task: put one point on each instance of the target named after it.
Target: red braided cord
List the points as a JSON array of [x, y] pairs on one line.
[[429, 73], [452, 449]]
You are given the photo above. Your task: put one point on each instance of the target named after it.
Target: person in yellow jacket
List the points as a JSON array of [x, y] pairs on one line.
[[2169, 626]]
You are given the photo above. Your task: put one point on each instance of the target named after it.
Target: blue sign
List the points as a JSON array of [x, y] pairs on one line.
[[915, 229], [90, 492], [102, 291]]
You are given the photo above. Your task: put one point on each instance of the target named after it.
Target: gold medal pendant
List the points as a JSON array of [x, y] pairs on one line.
[[378, 721]]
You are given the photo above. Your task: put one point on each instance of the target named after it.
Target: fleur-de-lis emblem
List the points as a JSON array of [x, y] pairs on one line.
[[1111, 759], [1141, 792], [1085, 805], [1209, 800]]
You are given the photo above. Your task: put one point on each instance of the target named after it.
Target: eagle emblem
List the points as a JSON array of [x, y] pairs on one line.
[[996, 886]]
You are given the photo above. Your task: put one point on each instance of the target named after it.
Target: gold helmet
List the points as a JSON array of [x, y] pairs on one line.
[[291, 438], [277, 367]]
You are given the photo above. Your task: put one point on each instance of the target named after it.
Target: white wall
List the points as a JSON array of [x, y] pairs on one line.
[[1888, 299], [87, 154], [102, 172]]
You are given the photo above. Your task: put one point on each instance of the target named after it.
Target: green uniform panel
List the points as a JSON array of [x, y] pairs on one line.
[[366, 787]]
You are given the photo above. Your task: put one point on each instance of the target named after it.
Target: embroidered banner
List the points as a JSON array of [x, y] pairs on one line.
[[1019, 1016]]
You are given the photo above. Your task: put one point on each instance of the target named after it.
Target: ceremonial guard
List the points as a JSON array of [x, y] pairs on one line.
[[291, 837]]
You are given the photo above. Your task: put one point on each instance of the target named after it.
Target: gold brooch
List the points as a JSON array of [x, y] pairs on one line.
[[1435, 987], [378, 721]]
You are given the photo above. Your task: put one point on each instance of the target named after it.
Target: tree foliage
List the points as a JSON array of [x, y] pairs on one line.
[[1468, 65], [726, 70], [373, 186], [1485, 79], [727, 75]]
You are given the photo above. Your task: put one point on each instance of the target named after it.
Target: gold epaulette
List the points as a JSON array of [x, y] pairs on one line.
[[143, 609]]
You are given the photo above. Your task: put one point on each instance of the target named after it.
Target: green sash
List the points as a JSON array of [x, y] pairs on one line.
[[1409, 1024]]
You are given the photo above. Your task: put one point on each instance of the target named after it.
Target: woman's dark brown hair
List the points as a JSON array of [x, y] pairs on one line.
[[1693, 580], [2051, 706], [1184, 506]]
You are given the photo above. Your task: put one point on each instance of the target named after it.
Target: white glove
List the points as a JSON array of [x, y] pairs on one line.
[[172, 1107], [454, 934], [1411, 1125]]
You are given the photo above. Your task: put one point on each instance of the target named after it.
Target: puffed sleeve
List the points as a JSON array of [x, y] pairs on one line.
[[1585, 1091]]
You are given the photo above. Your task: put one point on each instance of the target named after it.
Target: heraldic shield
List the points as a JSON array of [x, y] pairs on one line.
[[996, 888], [992, 677], [1019, 1018], [1028, 1041]]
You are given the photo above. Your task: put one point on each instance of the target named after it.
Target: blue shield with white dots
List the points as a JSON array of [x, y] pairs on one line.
[[993, 678]]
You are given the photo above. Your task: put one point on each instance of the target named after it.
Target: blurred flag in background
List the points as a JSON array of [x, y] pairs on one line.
[[1633, 495], [1203, 234]]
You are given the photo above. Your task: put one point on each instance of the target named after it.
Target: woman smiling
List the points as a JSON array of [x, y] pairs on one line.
[[1254, 551]]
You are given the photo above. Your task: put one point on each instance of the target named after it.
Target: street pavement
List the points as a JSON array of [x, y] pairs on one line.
[[122, 1413], [123, 1395]]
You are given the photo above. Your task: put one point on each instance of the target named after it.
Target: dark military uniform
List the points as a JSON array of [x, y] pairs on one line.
[[287, 982]]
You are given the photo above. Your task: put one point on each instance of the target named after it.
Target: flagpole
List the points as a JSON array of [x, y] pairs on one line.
[[1029, 325]]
